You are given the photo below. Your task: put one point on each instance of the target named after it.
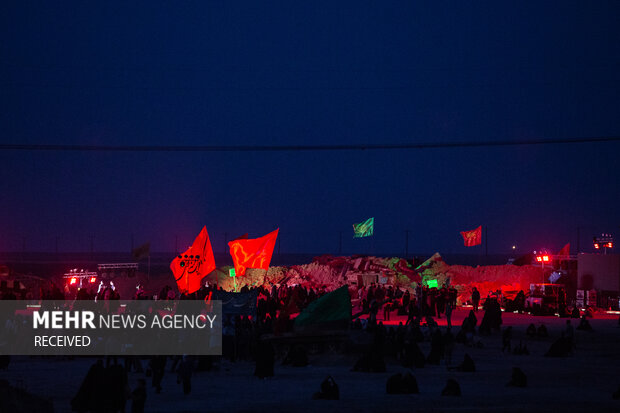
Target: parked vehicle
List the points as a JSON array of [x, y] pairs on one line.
[[544, 298]]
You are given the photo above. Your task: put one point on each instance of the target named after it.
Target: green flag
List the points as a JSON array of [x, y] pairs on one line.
[[331, 311], [141, 252], [364, 229]]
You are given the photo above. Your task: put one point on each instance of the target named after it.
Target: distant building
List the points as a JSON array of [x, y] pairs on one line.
[[600, 272]]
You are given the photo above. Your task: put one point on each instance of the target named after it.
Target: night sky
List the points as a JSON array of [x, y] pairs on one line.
[[309, 73]]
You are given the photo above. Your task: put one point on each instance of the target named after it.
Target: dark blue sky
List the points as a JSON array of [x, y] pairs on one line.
[[245, 73]]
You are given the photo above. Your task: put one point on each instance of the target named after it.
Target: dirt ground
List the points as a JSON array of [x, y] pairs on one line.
[[583, 382]]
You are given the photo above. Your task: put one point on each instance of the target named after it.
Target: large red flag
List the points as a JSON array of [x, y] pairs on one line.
[[253, 253], [473, 237], [190, 267], [565, 252]]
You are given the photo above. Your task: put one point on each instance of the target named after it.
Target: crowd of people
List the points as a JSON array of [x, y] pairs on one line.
[[243, 337], [423, 302]]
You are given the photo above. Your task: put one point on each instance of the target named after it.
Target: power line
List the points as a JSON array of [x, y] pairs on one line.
[[281, 148]]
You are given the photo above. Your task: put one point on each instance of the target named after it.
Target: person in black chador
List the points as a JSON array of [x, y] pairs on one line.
[[117, 388], [138, 397], [296, 357], [412, 312], [387, 308], [329, 390], [433, 309], [468, 329], [475, 299], [506, 337], [373, 360], [531, 330], [265, 359], [520, 301], [91, 395], [453, 293], [518, 379], [562, 347], [452, 388], [158, 365], [405, 300], [413, 356], [402, 384], [448, 309], [521, 349], [448, 346], [492, 318], [372, 317], [185, 374], [436, 354], [542, 331], [584, 324], [485, 324], [467, 366], [4, 361]]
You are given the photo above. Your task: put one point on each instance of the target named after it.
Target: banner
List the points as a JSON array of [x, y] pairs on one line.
[[194, 264], [253, 253], [333, 310], [473, 237], [244, 236], [565, 251], [364, 229]]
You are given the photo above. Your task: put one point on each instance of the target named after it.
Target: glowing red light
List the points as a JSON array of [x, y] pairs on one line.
[[610, 245], [545, 258], [93, 279], [73, 280], [596, 246], [539, 259]]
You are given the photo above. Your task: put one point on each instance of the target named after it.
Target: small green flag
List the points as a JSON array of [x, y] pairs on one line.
[[364, 229]]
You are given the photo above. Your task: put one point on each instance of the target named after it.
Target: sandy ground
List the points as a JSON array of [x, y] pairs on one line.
[[583, 382]]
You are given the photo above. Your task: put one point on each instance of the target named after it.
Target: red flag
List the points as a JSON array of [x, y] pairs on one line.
[[244, 236], [253, 253], [190, 267], [565, 252], [473, 237]]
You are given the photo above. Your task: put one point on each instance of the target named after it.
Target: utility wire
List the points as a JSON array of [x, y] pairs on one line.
[[298, 148]]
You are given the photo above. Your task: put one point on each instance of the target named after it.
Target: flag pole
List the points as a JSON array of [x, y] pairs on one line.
[[406, 243], [578, 237], [374, 250], [486, 245]]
